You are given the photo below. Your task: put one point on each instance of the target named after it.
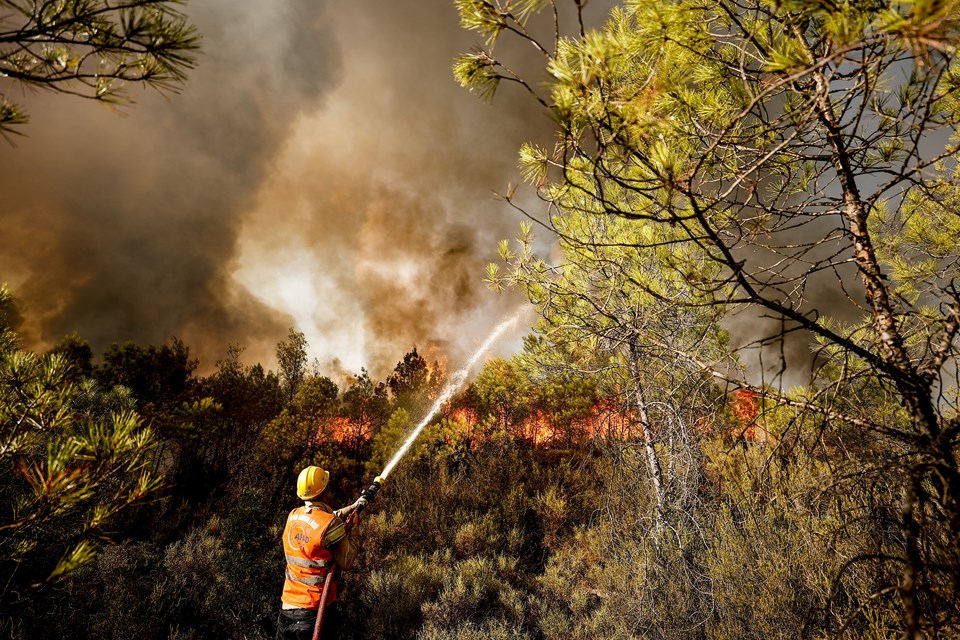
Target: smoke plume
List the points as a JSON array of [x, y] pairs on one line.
[[320, 170]]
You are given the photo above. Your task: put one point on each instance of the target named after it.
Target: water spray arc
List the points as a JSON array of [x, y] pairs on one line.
[[452, 387], [456, 381]]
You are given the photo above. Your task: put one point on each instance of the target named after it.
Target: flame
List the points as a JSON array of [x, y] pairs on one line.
[[745, 405], [606, 419], [746, 409], [611, 421], [538, 428], [464, 415], [436, 370], [346, 430], [462, 423], [341, 430]]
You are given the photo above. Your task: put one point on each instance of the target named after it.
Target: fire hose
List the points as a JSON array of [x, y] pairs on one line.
[[352, 520]]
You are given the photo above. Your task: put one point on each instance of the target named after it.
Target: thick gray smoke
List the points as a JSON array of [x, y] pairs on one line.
[[321, 170]]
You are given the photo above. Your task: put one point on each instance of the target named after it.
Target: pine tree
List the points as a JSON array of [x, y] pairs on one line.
[[760, 152], [68, 470], [92, 49]]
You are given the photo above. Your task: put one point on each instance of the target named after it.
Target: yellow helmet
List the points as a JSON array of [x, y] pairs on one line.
[[312, 482]]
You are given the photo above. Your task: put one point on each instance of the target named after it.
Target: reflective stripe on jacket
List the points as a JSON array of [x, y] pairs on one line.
[[306, 547]]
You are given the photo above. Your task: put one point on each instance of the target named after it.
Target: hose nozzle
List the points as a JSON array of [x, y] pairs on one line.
[[367, 495], [371, 491]]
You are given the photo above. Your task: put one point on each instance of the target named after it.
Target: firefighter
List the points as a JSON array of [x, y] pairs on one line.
[[314, 538]]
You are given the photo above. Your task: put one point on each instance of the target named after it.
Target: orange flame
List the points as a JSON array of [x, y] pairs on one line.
[[436, 366], [746, 409], [607, 418], [538, 428], [745, 405], [341, 430], [464, 415], [461, 428]]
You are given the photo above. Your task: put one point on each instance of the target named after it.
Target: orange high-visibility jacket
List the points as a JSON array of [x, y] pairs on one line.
[[306, 545]]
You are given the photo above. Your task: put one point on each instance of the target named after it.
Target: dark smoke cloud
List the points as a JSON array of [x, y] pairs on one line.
[[321, 170], [385, 196]]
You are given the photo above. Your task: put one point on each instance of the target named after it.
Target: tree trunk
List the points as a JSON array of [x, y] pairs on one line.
[[654, 468], [914, 386]]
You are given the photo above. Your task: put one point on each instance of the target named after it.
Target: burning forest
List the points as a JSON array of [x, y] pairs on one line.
[[707, 389], [518, 475]]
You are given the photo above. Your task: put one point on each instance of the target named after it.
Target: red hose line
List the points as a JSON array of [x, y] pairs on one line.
[[331, 576]]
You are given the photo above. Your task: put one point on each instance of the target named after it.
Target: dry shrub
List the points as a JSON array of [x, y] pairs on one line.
[[392, 595], [476, 589], [454, 543], [636, 588], [481, 536], [124, 575], [487, 630], [552, 508], [789, 547]]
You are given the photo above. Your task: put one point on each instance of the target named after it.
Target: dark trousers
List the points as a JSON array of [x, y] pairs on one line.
[[298, 624]]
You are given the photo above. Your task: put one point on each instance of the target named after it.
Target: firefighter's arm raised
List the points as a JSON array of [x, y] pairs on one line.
[[350, 508]]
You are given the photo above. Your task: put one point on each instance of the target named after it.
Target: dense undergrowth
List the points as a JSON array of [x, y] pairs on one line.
[[481, 532]]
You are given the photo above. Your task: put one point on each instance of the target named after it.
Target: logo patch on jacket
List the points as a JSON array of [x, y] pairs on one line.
[[298, 536]]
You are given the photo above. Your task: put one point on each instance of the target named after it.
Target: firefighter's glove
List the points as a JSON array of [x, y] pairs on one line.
[[360, 503]]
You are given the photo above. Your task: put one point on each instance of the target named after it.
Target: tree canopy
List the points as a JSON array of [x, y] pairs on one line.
[[786, 158]]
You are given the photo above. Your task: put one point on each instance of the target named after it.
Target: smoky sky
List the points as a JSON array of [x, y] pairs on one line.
[[319, 170]]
